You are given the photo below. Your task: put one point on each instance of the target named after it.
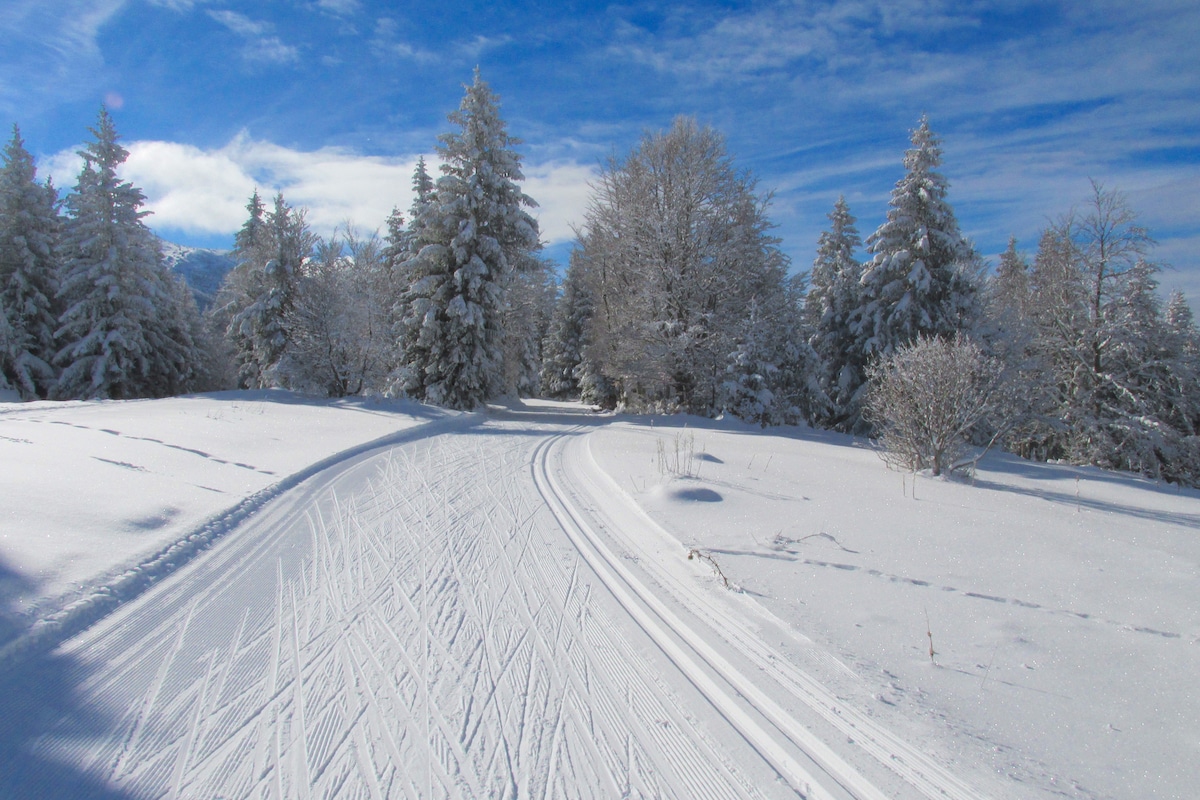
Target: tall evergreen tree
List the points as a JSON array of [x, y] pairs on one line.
[[117, 327], [470, 238], [562, 351], [833, 296], [919, 279], [29, 230], [271, 249]]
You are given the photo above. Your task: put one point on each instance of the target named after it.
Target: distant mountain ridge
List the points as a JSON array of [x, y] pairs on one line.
[[202, 269]]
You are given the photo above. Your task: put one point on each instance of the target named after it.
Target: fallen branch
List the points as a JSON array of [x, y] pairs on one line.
[[702, 556]]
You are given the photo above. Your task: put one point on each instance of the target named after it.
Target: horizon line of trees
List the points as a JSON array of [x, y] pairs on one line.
[[677, 298]]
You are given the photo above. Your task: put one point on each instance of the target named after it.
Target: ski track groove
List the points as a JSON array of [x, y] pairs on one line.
[[427, 620], [914, 767]]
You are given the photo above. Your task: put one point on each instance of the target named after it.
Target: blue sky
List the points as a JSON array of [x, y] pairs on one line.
[[332, 101]]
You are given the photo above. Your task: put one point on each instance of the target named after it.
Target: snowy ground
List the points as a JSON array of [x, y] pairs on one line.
[[503, 606], [101, 497]]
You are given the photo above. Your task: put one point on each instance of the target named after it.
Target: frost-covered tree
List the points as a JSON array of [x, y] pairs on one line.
[[675, 245], [921, 276], [1008, 290], [395, 249], [931, 397], [562, 350], [241, 285], [1115, 397], [29, 230], [120, 333], [525, 318], [834, 294], [339, 323], [470, 238], [271, 248]]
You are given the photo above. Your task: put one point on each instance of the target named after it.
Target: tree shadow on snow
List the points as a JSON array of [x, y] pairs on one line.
[[1005, 464], [38, 696]]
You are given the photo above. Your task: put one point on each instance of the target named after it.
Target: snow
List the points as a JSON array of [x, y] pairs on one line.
[[1062, 602], [412, 603], [93, 489]]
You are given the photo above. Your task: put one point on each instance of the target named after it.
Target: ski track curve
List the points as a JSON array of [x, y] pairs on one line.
[[454, 616], [626, 523], [409, 623]]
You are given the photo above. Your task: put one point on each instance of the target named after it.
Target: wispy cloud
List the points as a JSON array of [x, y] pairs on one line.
[[51, 49], [341, 8], [260, 42], [386, 41], [1032, 99]]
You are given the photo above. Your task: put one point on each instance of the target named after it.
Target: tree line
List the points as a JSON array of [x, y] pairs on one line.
[[677, 298]]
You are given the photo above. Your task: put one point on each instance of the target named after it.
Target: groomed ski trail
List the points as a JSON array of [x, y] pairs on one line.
[[437, 618]]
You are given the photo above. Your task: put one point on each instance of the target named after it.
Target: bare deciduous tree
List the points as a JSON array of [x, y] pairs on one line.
[[929, 398]]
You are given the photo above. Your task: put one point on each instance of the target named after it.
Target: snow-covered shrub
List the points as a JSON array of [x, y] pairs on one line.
[[928, 399]]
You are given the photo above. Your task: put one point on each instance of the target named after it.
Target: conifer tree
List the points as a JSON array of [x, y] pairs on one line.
[[469, 238], [117, 327], [271, 249], [29, 230], [833, 296], [562, 351], [919, 278]]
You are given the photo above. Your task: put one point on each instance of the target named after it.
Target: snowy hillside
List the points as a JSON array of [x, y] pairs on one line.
[[533, 602]]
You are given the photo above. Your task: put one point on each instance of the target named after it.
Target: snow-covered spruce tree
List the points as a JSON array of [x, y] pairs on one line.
[[395, 246], [119, 333], [525, 319], [834, 294], [675, 244], [1183, 347], [470, 239], [251, 246], [271, 249], [562, 350], [29, 230], [773, 375], [751, 372], [921, 279]]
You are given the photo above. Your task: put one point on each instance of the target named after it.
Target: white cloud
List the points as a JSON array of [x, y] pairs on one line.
[[343, 8], [562, 190], [204, 192], [260, 44], [386, 42]]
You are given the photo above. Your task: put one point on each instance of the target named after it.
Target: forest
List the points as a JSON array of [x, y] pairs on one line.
[[677, 298]]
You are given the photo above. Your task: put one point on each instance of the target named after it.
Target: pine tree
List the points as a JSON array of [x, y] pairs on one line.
[[562, 351], [918, 280], [1009, 290], [29, 230], [833, 296], [470, 238], [271, 249], [242, 285], [117, 327], [396, 243]]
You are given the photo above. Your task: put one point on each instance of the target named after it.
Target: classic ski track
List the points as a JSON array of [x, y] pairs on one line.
[[915, 767], [433, 616]]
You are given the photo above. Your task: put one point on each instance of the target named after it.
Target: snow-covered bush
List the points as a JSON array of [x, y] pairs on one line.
[[929, 397]]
